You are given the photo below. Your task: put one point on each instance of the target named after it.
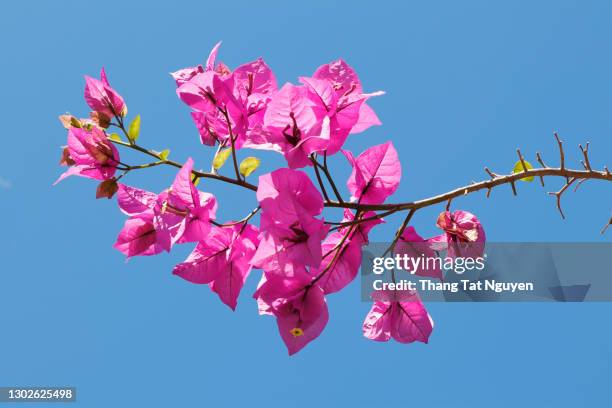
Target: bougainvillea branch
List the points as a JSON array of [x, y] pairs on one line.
[[303, 257]]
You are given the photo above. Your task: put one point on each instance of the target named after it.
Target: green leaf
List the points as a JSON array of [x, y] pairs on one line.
[[220, 158], [518, 168], [115, 137], [134, 129], [249, 165], [164, 154]]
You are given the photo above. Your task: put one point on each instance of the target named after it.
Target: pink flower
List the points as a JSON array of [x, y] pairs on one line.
[[253, 83], [463, 235], [185, 200], [289, 244], [102, 98], [90, 154], [212, 128], [222, 261], [180, 214], [291, 235], [212, 94], [295, 121], [215, 90], [349, 91], [299, 307], [148, 231], [183, 75], [405, 321], [413, 245], [340, 92], [376, 174]]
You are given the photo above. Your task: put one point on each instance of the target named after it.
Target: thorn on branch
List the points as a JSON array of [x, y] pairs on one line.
[[520, 155], [561, 153], [584, 165], [559, 193], [489, 192], [512, 184], [585, 153], [490, 173], [539, 159]]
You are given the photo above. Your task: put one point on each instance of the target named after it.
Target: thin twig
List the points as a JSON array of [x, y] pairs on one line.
[[603, 230], [585, 153], [241, 183], [559, 193], [328, 177], [233, 147], [400, 230], [318, 175], [561, 153], [539, 158]]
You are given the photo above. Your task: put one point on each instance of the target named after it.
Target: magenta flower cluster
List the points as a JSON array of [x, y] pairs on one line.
[[303, 259]]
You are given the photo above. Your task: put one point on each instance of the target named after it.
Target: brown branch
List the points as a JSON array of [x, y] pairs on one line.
[[495, 180], [559, 193]]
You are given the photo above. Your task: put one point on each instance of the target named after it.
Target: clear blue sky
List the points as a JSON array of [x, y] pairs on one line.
[[467, 83]]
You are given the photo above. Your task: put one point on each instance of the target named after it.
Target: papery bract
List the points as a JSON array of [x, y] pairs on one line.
[[376, 174], [289, 244], [404, 321], [91, 154], [463, 235], [349, 91], [222, 260], [286, 185], [102, 98], [342, 252], [197, 208], [134, 201], [299, 307], [254, 79], [412, 245], [341, 113], [341, 263], [230, 281], [295, 121], [140, 236], [291, 234]]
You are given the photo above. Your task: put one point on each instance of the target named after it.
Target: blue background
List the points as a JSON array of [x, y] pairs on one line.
[[467, 83]]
